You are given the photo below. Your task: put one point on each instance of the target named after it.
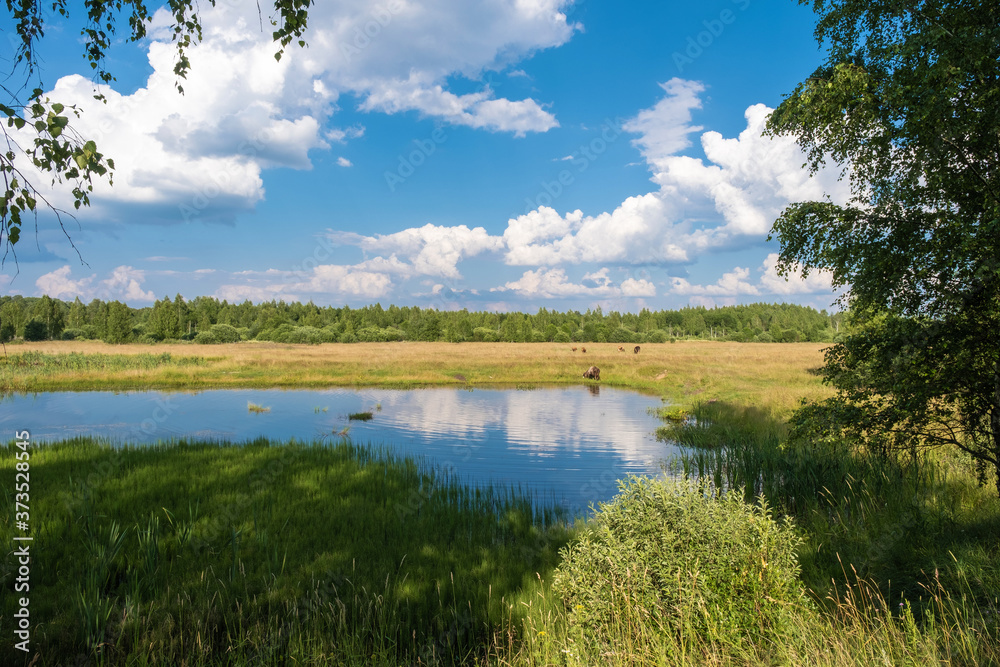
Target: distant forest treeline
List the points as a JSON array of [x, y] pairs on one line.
[[208, 320]]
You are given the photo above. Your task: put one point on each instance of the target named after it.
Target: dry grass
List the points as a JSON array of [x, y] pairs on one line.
[[771, 375]]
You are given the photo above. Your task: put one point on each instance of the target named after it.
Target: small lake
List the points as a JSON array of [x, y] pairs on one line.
[[567, 445]]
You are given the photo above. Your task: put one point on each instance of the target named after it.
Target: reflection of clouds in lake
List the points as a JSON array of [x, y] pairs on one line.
[[579, 421], [454, 413], [537, 423]]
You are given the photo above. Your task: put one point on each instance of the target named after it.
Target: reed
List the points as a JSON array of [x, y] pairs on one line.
[[208, 553]]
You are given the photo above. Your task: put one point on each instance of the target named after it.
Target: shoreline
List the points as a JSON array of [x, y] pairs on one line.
[[764, 374]]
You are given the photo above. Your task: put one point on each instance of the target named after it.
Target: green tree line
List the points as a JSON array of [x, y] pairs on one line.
[[208, 320]]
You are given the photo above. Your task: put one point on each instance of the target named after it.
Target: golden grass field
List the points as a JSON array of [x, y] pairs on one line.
[[687, 372]]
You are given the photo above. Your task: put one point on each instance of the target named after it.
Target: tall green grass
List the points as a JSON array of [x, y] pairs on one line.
[[899, 523], [18, 371], [200, 553]]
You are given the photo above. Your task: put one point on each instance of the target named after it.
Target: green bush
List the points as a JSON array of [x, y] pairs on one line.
[[667, 557], [378, 334], [623, 335], [370, 335], [35, 330], [485, 335], [561, 337], [73, 334], [225, 333], [656, 336], [276, 334], [206, 338], [299, 335]]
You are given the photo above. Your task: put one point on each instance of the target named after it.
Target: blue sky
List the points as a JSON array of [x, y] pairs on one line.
[[503, 155]]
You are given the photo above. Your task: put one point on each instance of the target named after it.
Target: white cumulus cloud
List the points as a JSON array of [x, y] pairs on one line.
[[201, 154], [818, 282], [738, 283], [58, 284], [554, 283], [124, 283], [432, 250]]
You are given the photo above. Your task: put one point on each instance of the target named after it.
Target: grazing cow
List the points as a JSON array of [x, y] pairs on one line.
[[573, 348], [621, 349], [583, 349], [636, 350], [593, 373]]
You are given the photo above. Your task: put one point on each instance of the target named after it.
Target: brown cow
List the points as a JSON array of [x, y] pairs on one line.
[[573, 348], [583, 349], [636, 350], [593, 373], [621, 349]]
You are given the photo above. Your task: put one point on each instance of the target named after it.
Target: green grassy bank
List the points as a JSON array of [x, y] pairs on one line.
[[266, 553]]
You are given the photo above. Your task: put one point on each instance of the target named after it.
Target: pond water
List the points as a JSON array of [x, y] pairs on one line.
[[567, 445]]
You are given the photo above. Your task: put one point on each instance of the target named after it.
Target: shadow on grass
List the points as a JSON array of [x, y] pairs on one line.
[[269, 553]]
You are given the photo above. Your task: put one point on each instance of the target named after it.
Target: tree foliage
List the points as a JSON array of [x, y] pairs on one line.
[[37, 130], [908, 106], [307, 323]]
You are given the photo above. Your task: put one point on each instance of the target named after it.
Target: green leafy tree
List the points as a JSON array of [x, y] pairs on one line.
[[908, 106], [12, 312], [37, 130], [77, 314], [35, 330], [49, 311], [97, 313], [163, 320], [119, 323]]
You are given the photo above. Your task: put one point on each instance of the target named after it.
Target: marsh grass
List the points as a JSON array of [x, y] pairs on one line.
[[902, 525], [361, 416], [855, 628], [22, 371], [756, 374], [256, 409], [197, 553]]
